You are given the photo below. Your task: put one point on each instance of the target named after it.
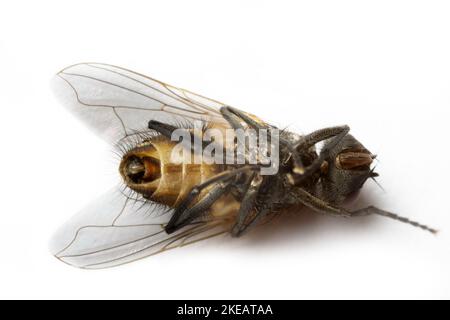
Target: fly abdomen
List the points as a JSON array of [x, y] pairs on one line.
[[150, 170]]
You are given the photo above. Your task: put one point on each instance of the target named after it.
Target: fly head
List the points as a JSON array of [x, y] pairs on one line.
[[348, 168]]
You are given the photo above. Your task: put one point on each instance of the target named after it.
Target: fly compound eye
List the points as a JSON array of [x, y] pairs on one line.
[[354, 160]]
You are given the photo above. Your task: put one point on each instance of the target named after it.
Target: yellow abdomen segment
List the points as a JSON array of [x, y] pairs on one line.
[[178, 179]]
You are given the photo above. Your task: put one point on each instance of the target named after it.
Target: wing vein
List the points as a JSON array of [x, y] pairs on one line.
[[176, 97], [143, 249]]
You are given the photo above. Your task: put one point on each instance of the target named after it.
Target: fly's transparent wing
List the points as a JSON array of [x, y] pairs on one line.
[[117, 102], [114, 230]]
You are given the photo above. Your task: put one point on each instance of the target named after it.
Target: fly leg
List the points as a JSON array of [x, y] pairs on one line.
[[252, 209], [252, 219], [321, 206], [307, 142], [320, 135], [162, 128], [336, 134], [184, 213], [231, 114], [374, 210], [198, 209], [247, 205], [235, 118], [235, 121]]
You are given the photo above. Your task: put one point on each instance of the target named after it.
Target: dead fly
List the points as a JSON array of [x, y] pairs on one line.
[[167, 202]]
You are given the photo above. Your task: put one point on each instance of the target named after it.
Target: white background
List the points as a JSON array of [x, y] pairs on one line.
[[382, 67]]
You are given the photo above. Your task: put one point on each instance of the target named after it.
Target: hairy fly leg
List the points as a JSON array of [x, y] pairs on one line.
[[228, 111], [236, 123], [319, 205], [336, 134], [374, 210], [235, 116], [234, 120], [198, 209], [247, 205], [185, 212], [263, 197], [266, 202], [320, 135], [162, 128]]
